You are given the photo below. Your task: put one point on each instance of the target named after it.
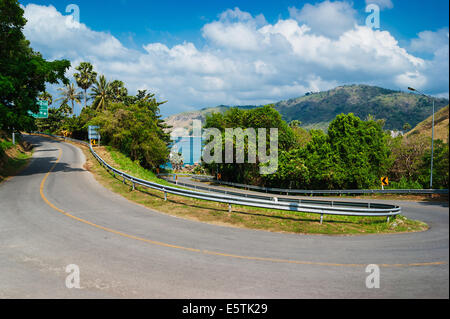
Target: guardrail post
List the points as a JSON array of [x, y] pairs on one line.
[[321, 219], [165, 195], [123, 181], [387, 219], [229, 208], [133, 185]]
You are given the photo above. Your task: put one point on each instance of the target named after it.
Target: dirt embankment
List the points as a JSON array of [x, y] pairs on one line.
[[13, 156]]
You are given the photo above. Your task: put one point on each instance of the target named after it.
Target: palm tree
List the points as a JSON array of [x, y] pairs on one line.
[[101, 93], [85, 78], [69, 93], [118, 91], [64, 108], [45, 96], [295, 123]]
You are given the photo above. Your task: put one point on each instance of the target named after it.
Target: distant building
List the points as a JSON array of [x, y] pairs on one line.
[[396, 133]]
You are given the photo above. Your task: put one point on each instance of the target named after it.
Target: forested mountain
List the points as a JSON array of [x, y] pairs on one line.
[[317, 110]]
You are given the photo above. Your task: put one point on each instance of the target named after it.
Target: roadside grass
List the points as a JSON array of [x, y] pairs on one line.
[[241, 216], [13, 158], [126, 165]]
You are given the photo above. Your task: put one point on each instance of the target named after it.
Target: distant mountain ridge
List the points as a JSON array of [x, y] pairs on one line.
[[317, 110]]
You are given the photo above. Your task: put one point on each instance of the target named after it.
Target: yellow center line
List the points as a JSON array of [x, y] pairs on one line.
[[206, 252]]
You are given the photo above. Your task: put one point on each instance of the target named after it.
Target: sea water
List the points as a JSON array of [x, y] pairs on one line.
[[190, 148]]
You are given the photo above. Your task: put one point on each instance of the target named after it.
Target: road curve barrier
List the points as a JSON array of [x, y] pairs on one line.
[[321, 207], [288, 191]]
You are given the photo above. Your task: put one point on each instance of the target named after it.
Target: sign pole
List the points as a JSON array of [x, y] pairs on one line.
[[13, 137]]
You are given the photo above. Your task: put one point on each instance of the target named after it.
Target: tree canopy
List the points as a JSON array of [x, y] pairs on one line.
[[23, 71]]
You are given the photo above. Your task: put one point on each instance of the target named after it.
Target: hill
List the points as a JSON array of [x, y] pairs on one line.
[[184, 119], [441, 126], [317, 110], [395, 107]]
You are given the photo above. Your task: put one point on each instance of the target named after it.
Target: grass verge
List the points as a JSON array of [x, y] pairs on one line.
[[247, 217]]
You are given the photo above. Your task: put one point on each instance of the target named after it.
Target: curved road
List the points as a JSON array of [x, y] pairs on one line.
[[123, 250]]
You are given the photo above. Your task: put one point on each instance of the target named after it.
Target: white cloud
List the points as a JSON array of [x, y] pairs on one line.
[[383, 4], [429, 41], [436, 69], [326, 18], [245, 60]]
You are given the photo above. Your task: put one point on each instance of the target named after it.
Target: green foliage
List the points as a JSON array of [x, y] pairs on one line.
[[23, 72], [68, 94], [406, 126], [295, 123], [292, 171], [354, 154], [262, 117], [4, 145], [361, 151], [124, 163], [45, 96], [407, 156], [135, 131], [85, 77], [302, 136], [55, 120], [77, 126], [440, 166], [404, 183], [101, 93], [118, 91]]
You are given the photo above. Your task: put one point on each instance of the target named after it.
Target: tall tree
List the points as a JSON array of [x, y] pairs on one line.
[[70, 94], [134, 130], [85, 77], [118, 91], [101, 93], [23, 72]]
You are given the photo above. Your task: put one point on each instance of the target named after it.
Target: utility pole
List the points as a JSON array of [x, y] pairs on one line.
[[432, 135], [432, 149]]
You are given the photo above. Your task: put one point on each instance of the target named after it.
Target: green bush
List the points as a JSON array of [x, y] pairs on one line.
[[404, 183]]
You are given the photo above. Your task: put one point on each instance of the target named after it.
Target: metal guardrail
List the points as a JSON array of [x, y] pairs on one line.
[[326, 191], [322, 207]]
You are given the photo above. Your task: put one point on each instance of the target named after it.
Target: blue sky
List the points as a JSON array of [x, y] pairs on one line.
[[204, 53]]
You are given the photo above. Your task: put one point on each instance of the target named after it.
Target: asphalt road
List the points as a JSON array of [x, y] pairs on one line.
[[123, 250]]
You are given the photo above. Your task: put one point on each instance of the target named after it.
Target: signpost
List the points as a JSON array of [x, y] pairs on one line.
[[93, 135], [384, 182], [43, 110]]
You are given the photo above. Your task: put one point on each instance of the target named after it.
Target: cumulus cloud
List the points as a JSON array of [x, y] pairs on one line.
[[435, 43], [383, 4], [429, 41], [326, 18], [245, 59]]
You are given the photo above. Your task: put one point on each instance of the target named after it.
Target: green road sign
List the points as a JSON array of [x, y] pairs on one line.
[[43, 110]]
